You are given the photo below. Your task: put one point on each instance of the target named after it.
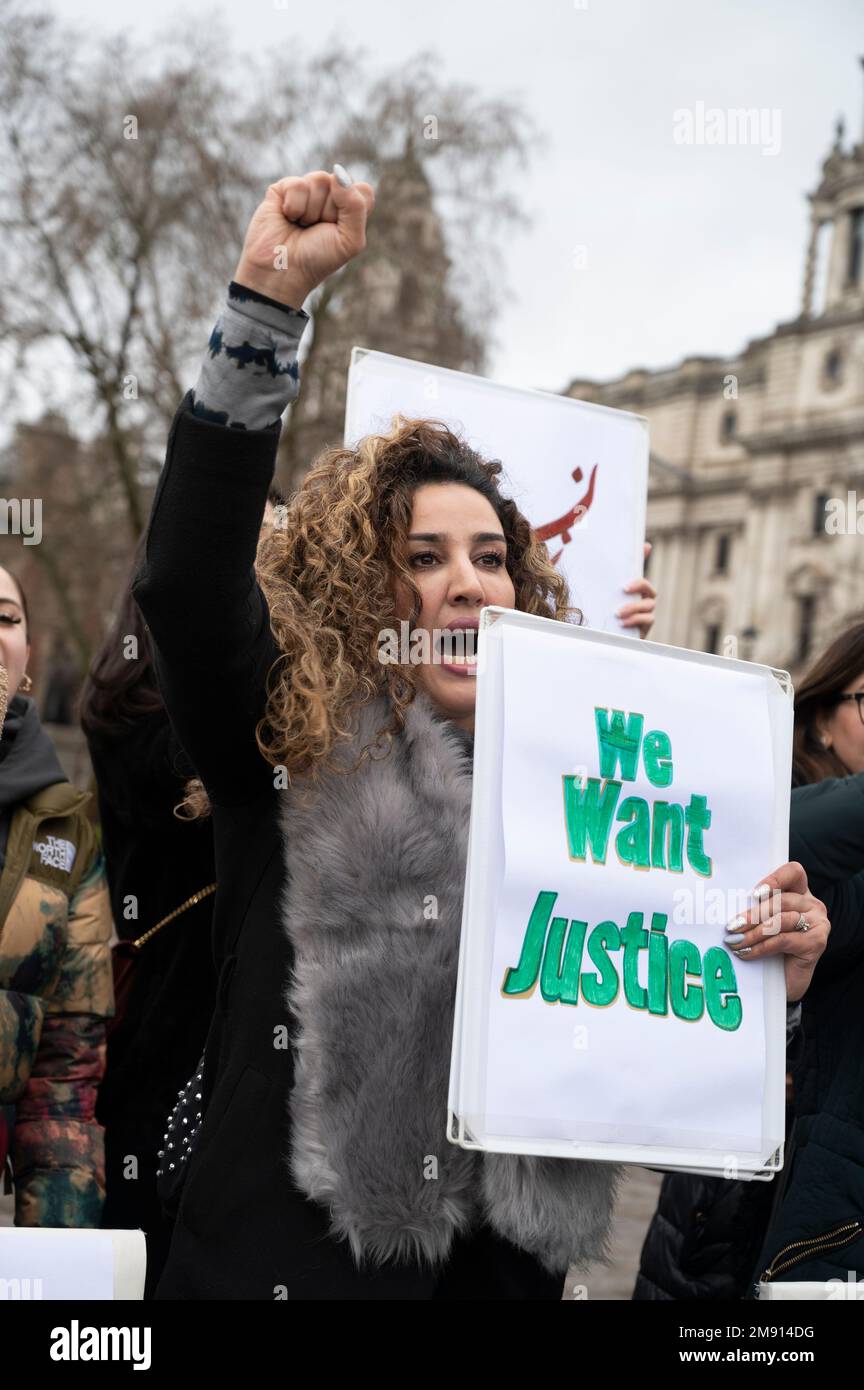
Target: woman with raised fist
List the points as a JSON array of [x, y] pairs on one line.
[[340, 789]]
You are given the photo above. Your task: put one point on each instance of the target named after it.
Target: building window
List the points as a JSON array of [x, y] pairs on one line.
[[728, 426], [748, 642], [820, 504], [832, 369], [806, 622], [856, 245], [721, 555], [712, 638], [820, 269]]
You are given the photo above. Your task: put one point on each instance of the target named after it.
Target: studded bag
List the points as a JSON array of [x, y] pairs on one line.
[[178, 1141]]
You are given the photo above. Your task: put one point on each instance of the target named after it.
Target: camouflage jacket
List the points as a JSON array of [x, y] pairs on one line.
[[56, 993]]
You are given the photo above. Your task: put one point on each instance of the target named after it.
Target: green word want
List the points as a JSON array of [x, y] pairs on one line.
[[680, 978], [653, 835]]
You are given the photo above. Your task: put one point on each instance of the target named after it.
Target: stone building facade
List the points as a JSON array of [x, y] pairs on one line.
[[757, 461]]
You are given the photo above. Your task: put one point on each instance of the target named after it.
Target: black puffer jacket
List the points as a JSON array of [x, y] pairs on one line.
[[711, 1238]]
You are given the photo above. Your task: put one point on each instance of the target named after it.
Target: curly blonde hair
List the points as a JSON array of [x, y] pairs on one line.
[[328, 577]]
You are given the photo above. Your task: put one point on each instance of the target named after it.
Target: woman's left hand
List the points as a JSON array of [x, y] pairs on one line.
[[641, 613], [774, 927]]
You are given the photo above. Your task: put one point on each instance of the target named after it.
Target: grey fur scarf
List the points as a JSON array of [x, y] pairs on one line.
[[372, 991]]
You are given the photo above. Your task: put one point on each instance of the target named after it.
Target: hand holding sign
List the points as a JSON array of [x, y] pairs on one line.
[[641, 612], [793, 921]]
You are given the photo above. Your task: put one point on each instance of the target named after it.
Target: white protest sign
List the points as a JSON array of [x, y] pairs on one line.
[[578, 472], [53, 1263], [628, 798]]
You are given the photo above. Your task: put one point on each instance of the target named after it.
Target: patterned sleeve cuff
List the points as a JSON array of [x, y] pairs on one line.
[[250, 372]]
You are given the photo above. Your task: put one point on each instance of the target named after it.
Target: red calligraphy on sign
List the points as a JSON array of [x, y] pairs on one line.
[[564, 525]]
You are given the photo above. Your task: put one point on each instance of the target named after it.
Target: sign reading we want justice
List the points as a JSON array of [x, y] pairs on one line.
[[655, 835], [619, 785]]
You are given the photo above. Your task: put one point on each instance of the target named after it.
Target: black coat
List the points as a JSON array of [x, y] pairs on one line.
[[156, 1044], [825, 1186], [712, 1238], [243, 1230]]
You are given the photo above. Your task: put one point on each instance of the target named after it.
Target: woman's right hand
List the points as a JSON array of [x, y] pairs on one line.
[[304, 230], [794, 922]]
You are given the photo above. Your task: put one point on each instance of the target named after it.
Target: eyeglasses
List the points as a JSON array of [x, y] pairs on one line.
[[858, 696]]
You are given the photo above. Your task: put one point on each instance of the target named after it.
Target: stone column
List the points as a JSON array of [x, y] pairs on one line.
[[810, 268]]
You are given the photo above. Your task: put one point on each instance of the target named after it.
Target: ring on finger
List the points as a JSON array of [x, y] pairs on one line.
[[802, 924]]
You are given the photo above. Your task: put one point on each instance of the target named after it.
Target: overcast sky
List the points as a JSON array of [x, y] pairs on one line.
[[688, 248]]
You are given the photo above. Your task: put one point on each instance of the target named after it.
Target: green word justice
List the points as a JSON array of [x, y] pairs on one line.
[[680, 978], [652, 836]]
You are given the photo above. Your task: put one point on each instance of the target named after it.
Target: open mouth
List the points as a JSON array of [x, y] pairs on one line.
[[457, 646]]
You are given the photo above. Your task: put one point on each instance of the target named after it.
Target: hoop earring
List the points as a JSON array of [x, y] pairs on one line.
[[25, 684]]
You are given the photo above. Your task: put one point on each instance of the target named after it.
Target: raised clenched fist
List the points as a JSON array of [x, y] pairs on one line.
[[304, 230]]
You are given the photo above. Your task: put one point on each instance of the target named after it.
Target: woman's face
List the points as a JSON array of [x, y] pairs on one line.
[[14, 649], [457, 553], [843, 731]]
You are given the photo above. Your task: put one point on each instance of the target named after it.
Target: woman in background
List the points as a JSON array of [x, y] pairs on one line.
[[55, 964], [711, 1237], [829, 729], [817, 1232], [155, 863]]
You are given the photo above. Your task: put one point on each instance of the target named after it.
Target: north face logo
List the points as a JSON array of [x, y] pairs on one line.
[[55, 854]]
